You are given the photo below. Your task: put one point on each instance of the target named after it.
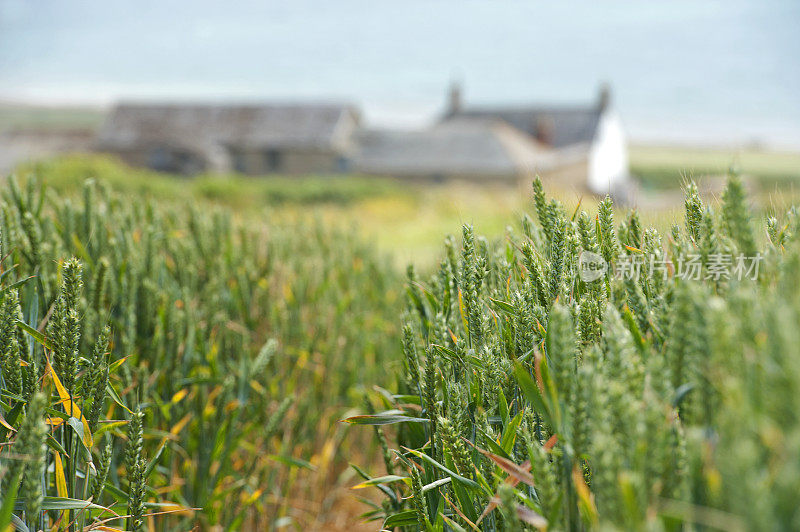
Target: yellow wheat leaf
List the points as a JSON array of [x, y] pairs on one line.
[[213, 395], [179, 395], [70, 407], [247, 501], [5, 423], [232, 405], [461, 310], [55, 421], [255, 385], [585, 496], [180, 424], [61, 480]]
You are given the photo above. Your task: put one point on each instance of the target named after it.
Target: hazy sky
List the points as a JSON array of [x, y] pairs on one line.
[[681, 69]]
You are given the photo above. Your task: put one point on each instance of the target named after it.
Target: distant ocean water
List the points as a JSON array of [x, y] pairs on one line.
[[684, 70]]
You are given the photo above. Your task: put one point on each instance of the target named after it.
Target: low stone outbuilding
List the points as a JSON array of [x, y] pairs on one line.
[[469, 149], [249, 139]]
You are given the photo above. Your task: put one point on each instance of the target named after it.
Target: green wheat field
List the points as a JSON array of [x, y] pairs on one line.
[[247, 354]]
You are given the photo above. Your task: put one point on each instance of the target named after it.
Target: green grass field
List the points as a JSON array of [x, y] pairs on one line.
[[18, 116], [407, 220], [664, 167]]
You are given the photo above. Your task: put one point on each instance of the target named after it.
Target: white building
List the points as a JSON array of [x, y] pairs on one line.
[[588, 143]]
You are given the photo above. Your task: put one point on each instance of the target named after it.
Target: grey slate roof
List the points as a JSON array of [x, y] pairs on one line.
[[457, 146], [568, 125], [199, 126]]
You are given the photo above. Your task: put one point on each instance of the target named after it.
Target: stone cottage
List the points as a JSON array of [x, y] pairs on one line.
[[588, 141], [248, 139]]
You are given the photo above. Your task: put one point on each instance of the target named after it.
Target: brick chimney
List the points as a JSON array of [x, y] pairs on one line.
[[604, 96], [545, 130], [454, 100]]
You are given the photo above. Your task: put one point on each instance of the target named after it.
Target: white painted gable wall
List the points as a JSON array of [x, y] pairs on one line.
[[608, 155]]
